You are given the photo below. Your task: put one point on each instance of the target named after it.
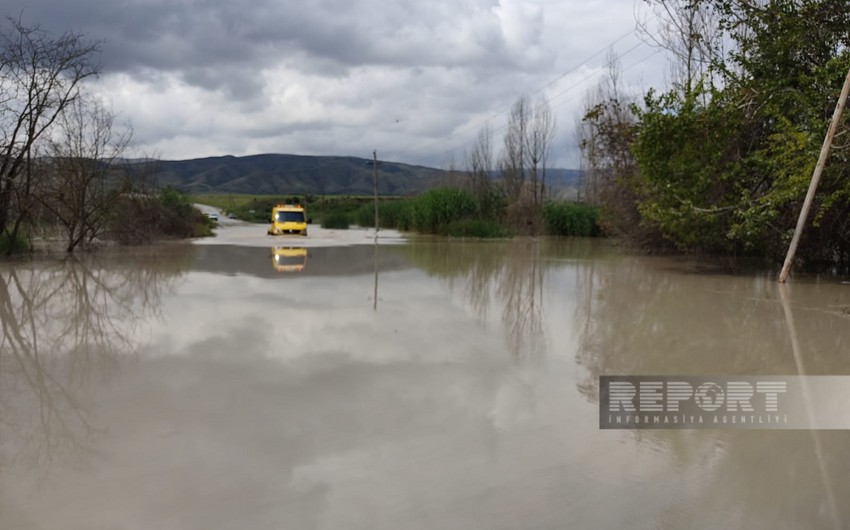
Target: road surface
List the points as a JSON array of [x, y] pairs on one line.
[[236, 232]]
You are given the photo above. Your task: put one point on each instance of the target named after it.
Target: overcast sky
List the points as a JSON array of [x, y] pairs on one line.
[[414, 79]]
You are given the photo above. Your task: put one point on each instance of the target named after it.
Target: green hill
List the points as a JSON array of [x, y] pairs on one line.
[[273, 174]]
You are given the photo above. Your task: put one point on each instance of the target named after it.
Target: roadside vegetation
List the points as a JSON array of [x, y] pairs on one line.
[[145, 218], [571, 218], [720, 162], [257, 208], [492, 197], [717, 163], [63, 176], [336, 220], [451, 211]]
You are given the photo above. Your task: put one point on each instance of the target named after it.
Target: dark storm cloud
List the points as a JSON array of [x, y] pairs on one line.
[[168, 35], [213, 77]]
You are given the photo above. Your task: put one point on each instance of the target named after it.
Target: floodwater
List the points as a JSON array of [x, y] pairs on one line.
[[221, 386]]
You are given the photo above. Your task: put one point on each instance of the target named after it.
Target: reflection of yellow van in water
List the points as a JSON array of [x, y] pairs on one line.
[[289, 259], [288, 219]]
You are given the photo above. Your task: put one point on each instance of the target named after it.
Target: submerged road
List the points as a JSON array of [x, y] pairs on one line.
[[235, 232], [457, 387]]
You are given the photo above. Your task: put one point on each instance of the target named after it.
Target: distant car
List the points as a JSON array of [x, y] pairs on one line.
[[213, 216]]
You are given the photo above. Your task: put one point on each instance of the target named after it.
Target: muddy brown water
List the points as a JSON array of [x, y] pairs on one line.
[[204, 387]]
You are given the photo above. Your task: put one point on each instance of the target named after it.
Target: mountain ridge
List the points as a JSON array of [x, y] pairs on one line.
[[279, 174]]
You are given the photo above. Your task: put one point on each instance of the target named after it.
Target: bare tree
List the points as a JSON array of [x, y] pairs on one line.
[[512, 164], [453, 172], [587, 135], [480, 168], [528, 139], [690, 30], [538, 141], [606, 133], [479, 160], [83, 186], [39, 77]]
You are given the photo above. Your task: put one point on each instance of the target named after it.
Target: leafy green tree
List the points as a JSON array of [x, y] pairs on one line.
[[725, 168], [686, 156]]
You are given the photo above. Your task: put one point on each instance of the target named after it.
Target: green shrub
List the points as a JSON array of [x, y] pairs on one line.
[[259, 209], [392, 213], [178, 217], [441, 211], [570, 219], [143, 218], [201, 228], [492, 203], [337, 220], [476, 228], [364, 216], [435, 209], [19, 245]]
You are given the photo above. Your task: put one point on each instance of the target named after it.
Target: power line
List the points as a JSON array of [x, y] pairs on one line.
[[574, 86], [478, 125], [582, 81]]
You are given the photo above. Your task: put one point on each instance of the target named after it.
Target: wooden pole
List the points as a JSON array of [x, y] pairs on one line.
[[375, 189], [813, 185], [375, 186]]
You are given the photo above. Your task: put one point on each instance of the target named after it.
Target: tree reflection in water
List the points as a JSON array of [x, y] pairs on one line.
[[658, 316], [511, 275], [66, 324], [648, 316]]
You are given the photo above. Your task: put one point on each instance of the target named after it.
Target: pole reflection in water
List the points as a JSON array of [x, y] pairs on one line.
[[658, 316], [375, 292], [471, 402], [801, 371]]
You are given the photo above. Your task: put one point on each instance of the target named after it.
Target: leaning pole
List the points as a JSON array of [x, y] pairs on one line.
[[813, 185]]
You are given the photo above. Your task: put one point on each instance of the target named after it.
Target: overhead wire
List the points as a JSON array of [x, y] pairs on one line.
[[478, 124], [578, 84]]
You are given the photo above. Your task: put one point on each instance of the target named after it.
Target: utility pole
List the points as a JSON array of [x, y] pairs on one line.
[[375, 187], [813, 185]]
